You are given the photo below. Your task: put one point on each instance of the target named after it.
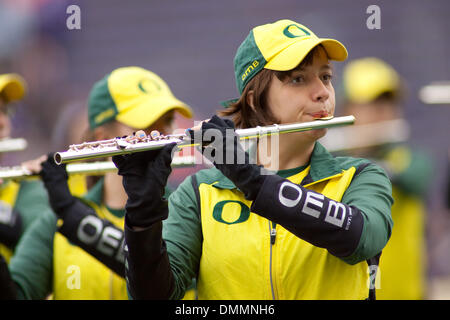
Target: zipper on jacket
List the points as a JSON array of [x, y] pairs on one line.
[[273, 234]]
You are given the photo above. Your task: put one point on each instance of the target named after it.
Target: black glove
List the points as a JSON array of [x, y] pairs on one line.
[[55, 180], [8, 289], [236, 166], [145, 176], [10, 225]]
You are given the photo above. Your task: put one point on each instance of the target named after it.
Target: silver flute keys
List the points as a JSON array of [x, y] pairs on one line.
[[111, 147], [141, 142]]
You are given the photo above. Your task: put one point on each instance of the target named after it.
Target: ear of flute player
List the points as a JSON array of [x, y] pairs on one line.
[[297, 224]]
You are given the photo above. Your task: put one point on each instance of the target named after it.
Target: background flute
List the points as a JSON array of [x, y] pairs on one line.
[[90, 168], [111, 147], [367, 135], [12, 144]]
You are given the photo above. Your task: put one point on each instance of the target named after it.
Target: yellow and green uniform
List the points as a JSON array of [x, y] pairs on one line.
[[29, 199], [8, 197], [403, 263], [78, 275], [48, 263], [211, 235], [274, 265]]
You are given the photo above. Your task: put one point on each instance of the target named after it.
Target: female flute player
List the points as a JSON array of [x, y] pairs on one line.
[[75, 252], [306, 232], [21, 203]]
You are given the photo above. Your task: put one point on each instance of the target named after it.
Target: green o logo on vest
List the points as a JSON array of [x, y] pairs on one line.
[[288, 33], [218, 210]]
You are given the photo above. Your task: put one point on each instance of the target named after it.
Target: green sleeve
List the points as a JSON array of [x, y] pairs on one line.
[[371, 192], [168, 191], [410, 170], [31, 201], [183, 236], [31, 267]]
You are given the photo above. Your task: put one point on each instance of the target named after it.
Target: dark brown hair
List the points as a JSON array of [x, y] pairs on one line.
[[246, 116]]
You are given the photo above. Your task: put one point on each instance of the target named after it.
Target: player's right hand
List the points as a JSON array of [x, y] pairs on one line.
[[145, 176]]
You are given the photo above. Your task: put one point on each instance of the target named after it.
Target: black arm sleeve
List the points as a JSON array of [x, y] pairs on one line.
[[310, 215], [98, 237], [147, 271], [7, 286]]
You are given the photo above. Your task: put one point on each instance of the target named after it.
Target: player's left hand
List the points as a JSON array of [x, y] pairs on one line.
[[55, 180], [220, 144]]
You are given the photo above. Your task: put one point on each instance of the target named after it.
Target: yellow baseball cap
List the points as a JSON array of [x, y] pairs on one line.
[[133, 96], [279, 46], [366, 79], [12, 87]]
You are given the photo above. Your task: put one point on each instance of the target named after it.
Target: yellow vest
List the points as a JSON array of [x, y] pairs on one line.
[[78, 275], [403, 262], [239, 262], [8, 194], [10, 190], [77, 184]]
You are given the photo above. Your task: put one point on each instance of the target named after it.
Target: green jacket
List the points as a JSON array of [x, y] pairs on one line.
[[32, 265], [410, 171], [29, 199], [370, 191]]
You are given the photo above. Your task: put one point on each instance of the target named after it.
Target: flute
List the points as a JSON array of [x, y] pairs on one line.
[[435, 93], [366, 135], [12, 144], [97, 168], [131, 144]]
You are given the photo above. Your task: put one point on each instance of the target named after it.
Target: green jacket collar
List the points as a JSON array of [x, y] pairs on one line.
[[323, 165]]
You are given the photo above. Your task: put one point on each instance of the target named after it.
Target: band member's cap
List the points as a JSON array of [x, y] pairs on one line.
[[12, 87], [133, 96], [279, 46], [364, 80]]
